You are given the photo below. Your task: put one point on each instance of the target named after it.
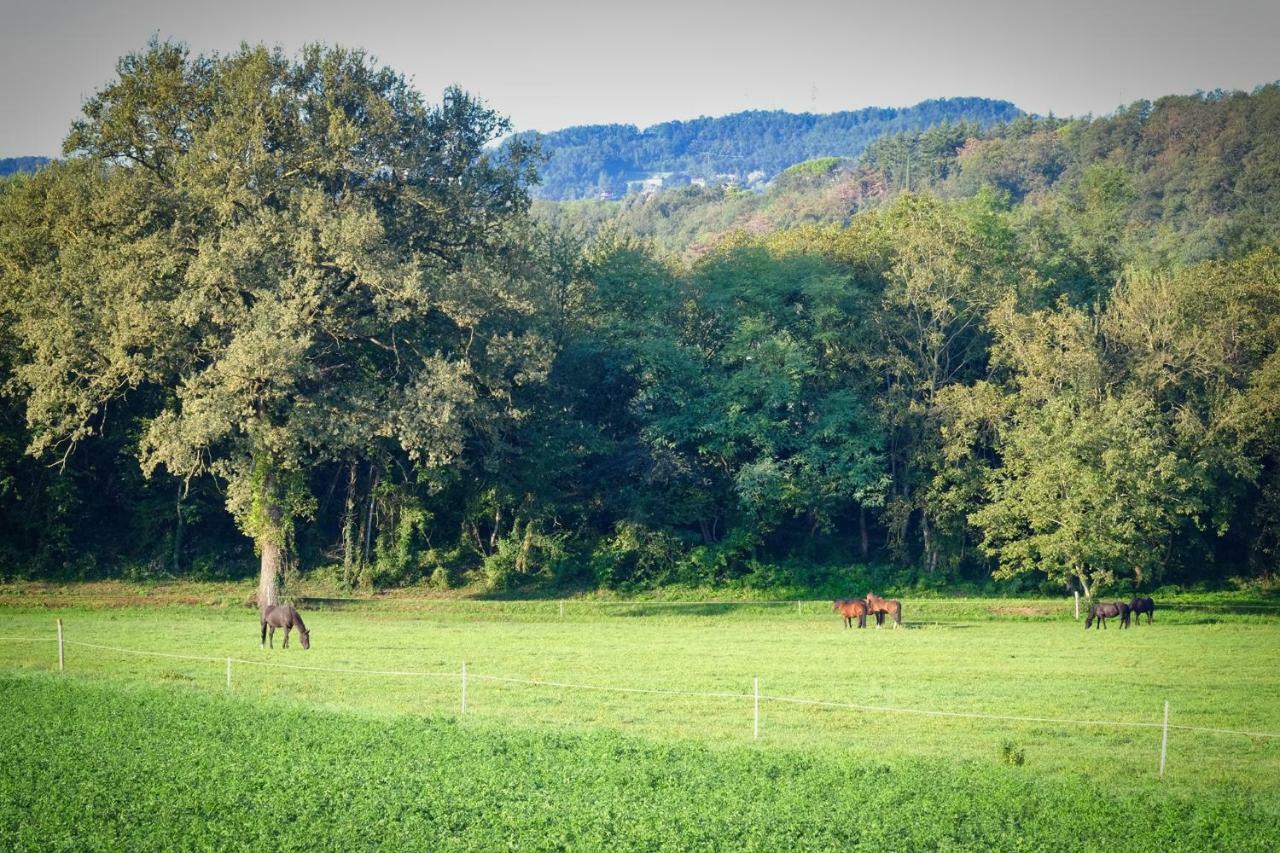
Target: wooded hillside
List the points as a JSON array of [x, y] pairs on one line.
[[743, 148]]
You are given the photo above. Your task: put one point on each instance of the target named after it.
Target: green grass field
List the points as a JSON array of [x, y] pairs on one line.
[[598, 767]]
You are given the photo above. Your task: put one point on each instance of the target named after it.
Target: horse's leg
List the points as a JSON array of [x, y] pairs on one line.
[[271, 637], [287, 628], [263, 644]]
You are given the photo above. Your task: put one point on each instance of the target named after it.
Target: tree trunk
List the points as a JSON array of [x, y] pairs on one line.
[[178, 533], [350, 526], [270, 543], [862, 528], [269, 577], [928, 544], [368, 528], [526, 545]]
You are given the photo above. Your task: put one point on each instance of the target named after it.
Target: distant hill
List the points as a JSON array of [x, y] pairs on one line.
[[1177, 180], [13, 165], [745, 149]]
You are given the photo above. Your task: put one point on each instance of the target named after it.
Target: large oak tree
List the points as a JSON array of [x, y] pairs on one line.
[[299, 259]]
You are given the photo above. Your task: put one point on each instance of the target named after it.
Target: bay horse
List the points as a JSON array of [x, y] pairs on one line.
[[1142, 605], [850, 608], [880, 606], [1102, 612], [283, 616]]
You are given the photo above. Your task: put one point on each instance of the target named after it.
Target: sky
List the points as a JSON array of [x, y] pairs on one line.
[[549, 64]]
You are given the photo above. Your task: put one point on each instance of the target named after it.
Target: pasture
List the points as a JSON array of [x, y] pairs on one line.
[[1048, 779]]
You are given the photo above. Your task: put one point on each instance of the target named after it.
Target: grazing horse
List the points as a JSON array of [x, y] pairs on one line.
[[880, 606], [1102, 612], [283, 616], [850, 608], [1142, 605]]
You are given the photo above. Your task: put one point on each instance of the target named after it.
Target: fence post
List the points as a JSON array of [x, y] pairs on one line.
[[561, 608], [61, 658], [1077, 605], [464, 687], [228, 672], [755, 731], [1164, 738], [798, 613]]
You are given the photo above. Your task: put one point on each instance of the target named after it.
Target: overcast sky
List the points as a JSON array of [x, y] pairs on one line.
[[552, 63]]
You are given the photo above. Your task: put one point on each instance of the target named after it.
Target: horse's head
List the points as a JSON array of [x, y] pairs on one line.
[[305, 637]]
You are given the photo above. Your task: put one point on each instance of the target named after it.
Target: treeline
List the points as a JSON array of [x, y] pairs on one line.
[[585, 161], [315, 320]]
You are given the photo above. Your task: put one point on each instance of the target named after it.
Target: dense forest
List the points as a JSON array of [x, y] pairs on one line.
[[584, 162], [274, 315]]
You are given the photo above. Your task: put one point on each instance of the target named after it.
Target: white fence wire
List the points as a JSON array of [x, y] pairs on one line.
[[757, 697]]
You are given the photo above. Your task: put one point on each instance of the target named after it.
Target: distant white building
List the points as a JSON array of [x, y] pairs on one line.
[[648, 185]]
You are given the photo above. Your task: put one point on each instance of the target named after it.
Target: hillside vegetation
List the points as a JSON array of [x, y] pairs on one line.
[[14, 165], [1183, 178], [747, 147]]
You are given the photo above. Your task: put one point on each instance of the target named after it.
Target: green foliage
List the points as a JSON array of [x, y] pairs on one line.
[[1011, 753], [817, 167], [174, 768], [175, 756], [308, 273], [1042, 350]]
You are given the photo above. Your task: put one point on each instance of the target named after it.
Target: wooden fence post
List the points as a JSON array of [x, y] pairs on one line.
[[464, 687], [1164, 738], [755, 731], [1077, 605], [61, 658], [228, 672]]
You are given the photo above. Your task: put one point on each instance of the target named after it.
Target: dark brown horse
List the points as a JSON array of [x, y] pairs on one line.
[[880, 606], [850, 608], [1142, 605], [1103, 612], [283, 616]]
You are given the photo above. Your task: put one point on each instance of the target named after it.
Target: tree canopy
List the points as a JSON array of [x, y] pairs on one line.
[[295, 261], [283, 304]]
